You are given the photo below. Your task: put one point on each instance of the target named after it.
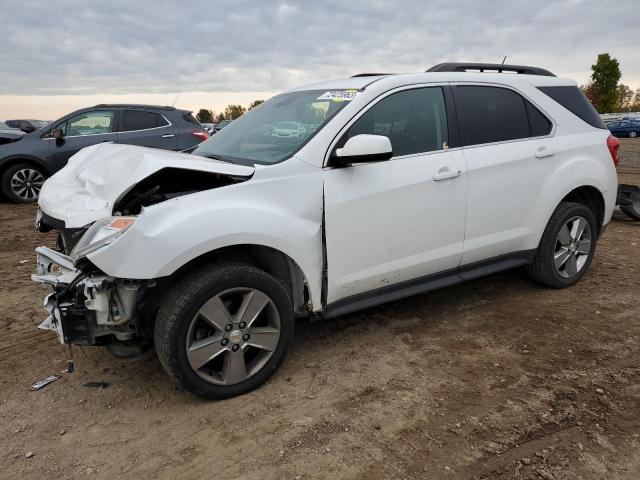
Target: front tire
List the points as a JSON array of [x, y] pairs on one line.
[[21, 183], [566, 248], [224, 330]]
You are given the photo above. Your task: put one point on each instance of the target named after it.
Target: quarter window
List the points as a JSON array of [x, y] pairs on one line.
[[538, 123], [414, 120], [141, 120], [89, 123]]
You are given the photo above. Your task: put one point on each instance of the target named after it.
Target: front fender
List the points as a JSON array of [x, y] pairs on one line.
[[283, 213]]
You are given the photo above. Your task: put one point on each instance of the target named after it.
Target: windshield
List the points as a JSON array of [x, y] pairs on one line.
[[276, 129], [4, 125]]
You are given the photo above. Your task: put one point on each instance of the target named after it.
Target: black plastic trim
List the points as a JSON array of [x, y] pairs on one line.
[[428, 283], [49, 221], [453, 127]]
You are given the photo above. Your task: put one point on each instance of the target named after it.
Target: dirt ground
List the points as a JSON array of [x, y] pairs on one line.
[[493, 379]]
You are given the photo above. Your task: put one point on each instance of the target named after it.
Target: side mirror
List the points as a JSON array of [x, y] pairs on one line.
[[57, 133], [363, 149]]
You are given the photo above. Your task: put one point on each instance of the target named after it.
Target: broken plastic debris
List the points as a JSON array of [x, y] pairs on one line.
[[43, 383]]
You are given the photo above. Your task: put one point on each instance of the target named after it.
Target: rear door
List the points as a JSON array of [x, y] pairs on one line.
[[80, 131], [403, 219], [147, 128], [508, 147]]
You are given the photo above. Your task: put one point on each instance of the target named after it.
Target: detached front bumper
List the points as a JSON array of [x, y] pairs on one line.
[[84, 309]]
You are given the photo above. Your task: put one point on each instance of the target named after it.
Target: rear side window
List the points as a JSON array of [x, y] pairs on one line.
[[414, 120], [141, 120], [490, 114], [574, 100], [538, 123], [191, 119]]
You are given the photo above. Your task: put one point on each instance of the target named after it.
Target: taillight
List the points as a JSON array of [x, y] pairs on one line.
[[613, 144], [200, 134]]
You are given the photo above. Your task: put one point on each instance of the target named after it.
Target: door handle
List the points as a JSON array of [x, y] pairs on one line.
[[446, 173], [168, 135], [543, 152]]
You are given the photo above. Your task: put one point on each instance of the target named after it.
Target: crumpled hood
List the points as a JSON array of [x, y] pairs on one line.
[[87, 188]]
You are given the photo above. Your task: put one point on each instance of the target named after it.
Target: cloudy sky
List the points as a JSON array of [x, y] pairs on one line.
[[59, 55]]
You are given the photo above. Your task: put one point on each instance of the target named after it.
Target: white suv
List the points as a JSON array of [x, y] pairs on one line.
[[390, 185]]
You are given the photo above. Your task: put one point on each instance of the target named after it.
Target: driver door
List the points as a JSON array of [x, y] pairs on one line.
[[399, 222]]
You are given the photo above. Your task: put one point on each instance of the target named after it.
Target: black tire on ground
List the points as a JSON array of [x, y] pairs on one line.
[[182, 304], [14, 196], [542, 270]]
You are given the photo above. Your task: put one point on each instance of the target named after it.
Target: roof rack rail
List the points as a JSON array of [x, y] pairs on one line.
[[491, 67], [135, 105], [370, 74]]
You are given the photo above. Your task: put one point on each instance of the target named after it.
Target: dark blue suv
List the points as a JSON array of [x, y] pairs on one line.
[[26, 162]]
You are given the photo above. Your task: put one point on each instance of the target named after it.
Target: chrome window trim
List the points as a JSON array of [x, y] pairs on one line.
[[169, 124]]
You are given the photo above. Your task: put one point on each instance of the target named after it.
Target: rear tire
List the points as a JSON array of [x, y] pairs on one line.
[[633, 134], [210, 339], [21, 183], [566, 248]]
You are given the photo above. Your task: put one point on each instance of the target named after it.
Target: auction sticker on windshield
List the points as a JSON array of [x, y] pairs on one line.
[[339, 95]]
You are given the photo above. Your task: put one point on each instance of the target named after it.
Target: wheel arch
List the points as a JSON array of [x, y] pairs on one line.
[[28, 159], [272, 261], [590, 197], [276, 263]]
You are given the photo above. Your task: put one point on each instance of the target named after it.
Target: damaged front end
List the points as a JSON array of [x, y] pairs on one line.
[[93, 201], [86, 309]]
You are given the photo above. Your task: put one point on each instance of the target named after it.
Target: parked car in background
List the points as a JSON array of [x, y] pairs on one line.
[[222, 124], [209, 127], [212, 255], [8, 134], [624, 128], [27, 162], [27, 126]]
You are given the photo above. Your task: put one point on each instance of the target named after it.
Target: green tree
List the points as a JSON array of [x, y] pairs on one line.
[[233, 111], [220, 117], [605, 77], [204, 116], [254, 104], [589, 92], [625, 98]]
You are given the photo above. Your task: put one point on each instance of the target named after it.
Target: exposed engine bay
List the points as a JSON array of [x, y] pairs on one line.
[[163, 185]]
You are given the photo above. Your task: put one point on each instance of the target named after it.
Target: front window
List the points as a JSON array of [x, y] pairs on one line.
[[276, 129], [90, 123], [415, 121]]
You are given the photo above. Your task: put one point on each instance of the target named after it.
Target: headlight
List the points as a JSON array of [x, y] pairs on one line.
[[101, 233]]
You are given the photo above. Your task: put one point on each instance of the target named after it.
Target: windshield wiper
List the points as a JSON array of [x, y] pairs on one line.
[[217, 157]]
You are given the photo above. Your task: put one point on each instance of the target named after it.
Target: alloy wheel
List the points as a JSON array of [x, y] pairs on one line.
[[232, 336], [573, 247], [26, 183]]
